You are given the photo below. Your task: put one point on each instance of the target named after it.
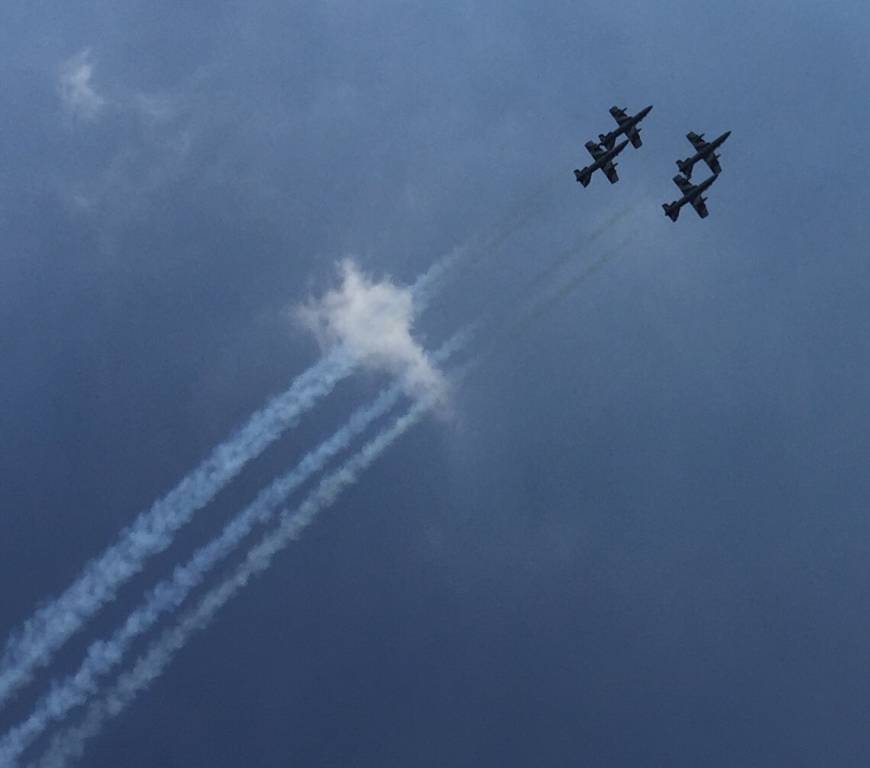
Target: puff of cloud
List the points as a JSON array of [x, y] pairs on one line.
[[374, 322], [77, 93]]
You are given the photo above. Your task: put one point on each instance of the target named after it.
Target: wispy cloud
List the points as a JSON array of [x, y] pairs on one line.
[[373, 321], [80, 98]]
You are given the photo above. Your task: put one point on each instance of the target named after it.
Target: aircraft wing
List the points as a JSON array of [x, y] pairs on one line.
[[634, 136], [697, 141], [684, 184], [594, 149], [700, 207], [713, 162], [618, 115], [610, 172]]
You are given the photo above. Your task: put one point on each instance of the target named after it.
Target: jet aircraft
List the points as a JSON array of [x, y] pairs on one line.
[[627, 125], [692, 193], [704, 150], [603, 160]]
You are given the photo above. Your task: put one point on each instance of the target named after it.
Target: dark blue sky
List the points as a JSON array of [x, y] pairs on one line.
[[640, 538]]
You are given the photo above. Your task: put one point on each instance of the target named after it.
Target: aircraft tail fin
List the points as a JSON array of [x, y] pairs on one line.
[[671, 211], [583, 176], [685, 168]]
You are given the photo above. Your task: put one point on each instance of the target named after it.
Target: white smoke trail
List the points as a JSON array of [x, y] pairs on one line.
[[71, 742], [41, 635], [33, 645], [103, 656]]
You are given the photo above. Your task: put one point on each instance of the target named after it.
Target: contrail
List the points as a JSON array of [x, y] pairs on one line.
[[568, 254], [520, 214], [33, 644], [80, 686], [543, 302], [41, 635], [71, 742], [103, 656]]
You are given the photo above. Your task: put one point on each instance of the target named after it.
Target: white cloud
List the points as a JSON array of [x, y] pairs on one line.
[[79, 97], [155, 108], [374, 321]]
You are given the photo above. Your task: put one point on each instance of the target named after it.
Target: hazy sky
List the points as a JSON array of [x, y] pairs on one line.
[[637, 533]]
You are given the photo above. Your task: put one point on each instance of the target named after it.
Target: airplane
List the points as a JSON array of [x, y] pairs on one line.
[[627, 125], [692, 193], [603, 160], [705, 150]]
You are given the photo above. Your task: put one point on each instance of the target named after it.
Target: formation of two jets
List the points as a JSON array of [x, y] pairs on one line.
[[693, 194], [604, 152]]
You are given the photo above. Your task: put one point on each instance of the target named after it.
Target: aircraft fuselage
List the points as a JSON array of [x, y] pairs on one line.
[[608, 155], [706, 154], [672, 210], [697, 191], [607, 139], [601, 159], [711, 147]]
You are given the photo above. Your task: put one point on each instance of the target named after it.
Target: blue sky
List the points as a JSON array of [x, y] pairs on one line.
[[638, 533]]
